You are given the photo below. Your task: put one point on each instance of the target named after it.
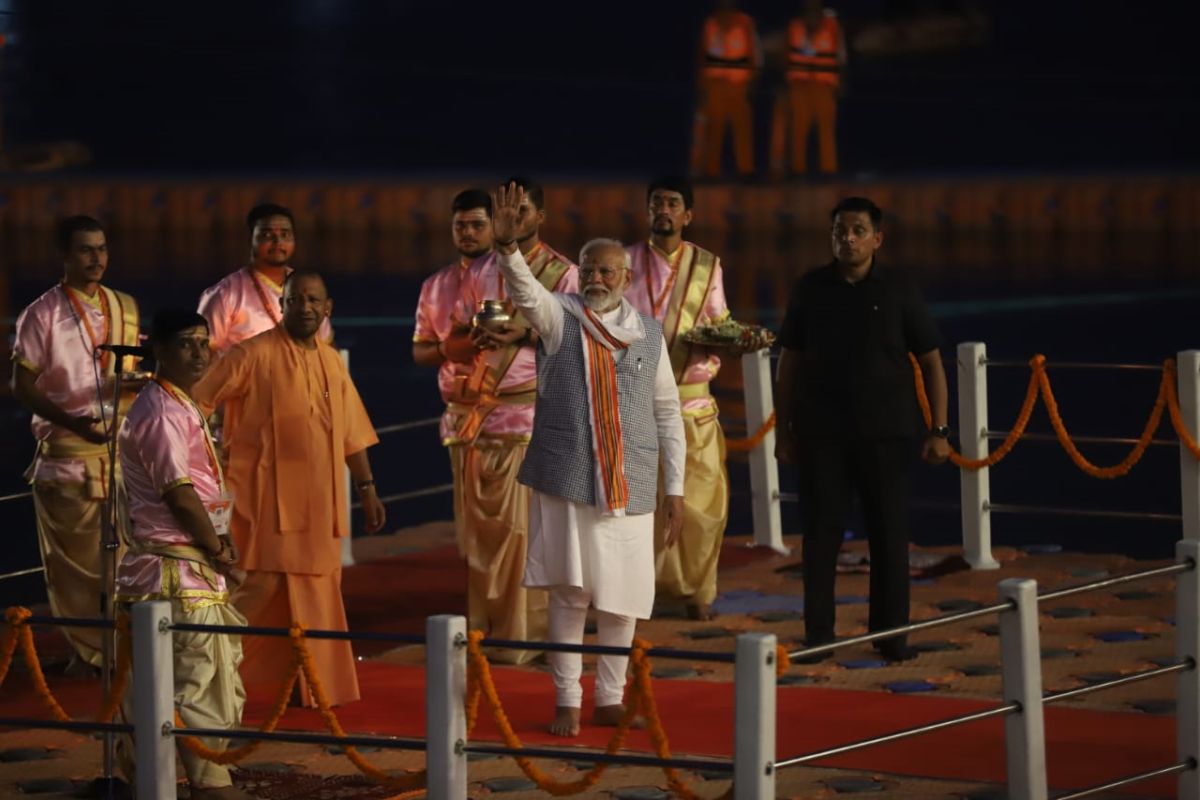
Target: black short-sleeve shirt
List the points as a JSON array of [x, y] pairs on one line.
[[852, 340]]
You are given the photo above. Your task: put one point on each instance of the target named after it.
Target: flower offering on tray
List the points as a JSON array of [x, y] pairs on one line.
[[732, 334]]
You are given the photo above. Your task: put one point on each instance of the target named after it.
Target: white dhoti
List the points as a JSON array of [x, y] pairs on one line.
[[585, 557]]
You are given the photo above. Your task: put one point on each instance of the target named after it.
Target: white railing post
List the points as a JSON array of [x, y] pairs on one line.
[[754, 717], [153, 699], [1187, 369], [764, 470], [1021, 668], [973, 443], [445, 713], [348, 539], [1187, 645]]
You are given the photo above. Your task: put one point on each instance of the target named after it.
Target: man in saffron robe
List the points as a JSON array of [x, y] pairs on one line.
[[67, 383], [491, 436], [301, 418], [179, 544], [607, 410], [681, 285], [247, 302]]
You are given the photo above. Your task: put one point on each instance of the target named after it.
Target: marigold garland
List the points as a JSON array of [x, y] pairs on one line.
[[751, 442], [1177, 423], [641, 696], [19, 633]]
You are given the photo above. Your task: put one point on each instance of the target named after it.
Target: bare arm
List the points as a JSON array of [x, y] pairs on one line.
[[189, 512], [24, 388], [785, 380], [364, 484], [457, 347]]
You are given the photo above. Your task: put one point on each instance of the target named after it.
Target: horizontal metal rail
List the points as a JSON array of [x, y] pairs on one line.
[[405, 426], [349, 636], [303, 737], [415, 493], [1134, 677], [71, 622], [571, 754], [1050, 437], [923, 625], [17, 496], [1103, 583], [607, 650], [415, 638], [21, 572], [1016, 508], [1012, 362], [1004, 710], [73, 725], [1182, 766]]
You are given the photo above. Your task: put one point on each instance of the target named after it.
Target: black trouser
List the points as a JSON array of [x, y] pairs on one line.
[[831, 471]]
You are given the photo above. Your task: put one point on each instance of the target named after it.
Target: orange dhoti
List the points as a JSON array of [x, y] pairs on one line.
[[726, 103], [275, 600], [491, 511]]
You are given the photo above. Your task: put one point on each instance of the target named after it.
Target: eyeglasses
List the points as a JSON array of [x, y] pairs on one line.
[[606, 273]]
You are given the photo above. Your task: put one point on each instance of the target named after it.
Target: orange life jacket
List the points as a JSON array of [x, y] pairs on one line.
[[729, 53], [813, 57]]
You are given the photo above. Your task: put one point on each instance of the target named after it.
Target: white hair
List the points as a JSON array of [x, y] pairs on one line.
[[604, 244]]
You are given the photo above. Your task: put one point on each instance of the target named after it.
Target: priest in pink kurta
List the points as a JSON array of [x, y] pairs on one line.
[[680, 284], [301, 419], [67, 383], [488, 438]]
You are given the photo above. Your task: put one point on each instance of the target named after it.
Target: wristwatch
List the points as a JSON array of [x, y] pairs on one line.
[[941, 431], [360, 485]]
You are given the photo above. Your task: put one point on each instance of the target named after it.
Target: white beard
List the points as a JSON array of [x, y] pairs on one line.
[[601, 301]]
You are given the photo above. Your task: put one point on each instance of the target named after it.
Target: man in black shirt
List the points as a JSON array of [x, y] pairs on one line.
[[847, 415]]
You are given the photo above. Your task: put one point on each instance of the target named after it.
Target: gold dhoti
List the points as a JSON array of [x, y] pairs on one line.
[[69, 523], [208, 689], [689, 569], [491, 514]]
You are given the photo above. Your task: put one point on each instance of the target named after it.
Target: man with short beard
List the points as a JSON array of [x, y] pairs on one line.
[[61, 377], [301, 420], [492, 431], [607, 409], [681, 285]]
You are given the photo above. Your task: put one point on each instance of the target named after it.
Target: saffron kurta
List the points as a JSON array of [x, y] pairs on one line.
[[242, 305], [682, 290], [300, 417], [165, 444], [56, 339]]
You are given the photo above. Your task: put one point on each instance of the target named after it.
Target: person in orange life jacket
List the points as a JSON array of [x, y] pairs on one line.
[[815, 63], [729, 60]]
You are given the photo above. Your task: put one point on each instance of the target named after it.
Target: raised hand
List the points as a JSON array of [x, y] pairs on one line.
[[506, 209]]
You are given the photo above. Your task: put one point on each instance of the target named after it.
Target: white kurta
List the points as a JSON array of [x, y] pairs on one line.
[[573, 544]]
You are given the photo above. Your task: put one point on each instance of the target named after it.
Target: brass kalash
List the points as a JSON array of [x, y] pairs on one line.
[[492, 315]]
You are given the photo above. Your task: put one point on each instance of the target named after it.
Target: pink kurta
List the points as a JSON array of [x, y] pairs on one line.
[[485, 282], [241, 305], [164, 444], [54, 343], [440, 295], [652, 279]]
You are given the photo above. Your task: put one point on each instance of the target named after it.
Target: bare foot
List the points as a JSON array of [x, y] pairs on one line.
[[222, 793], [566, 721], [611, 716], [700, 611]]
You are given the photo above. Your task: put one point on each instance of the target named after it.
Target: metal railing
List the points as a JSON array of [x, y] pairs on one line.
[[1024, 697], [753, 765]]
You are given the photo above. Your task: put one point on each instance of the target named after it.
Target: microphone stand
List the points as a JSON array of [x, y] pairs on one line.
[[108, 786]]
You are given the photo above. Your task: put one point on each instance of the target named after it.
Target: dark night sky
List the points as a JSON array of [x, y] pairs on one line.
[[408, 87]]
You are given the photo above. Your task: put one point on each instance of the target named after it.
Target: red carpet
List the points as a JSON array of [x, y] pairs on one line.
[[698, 716]]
